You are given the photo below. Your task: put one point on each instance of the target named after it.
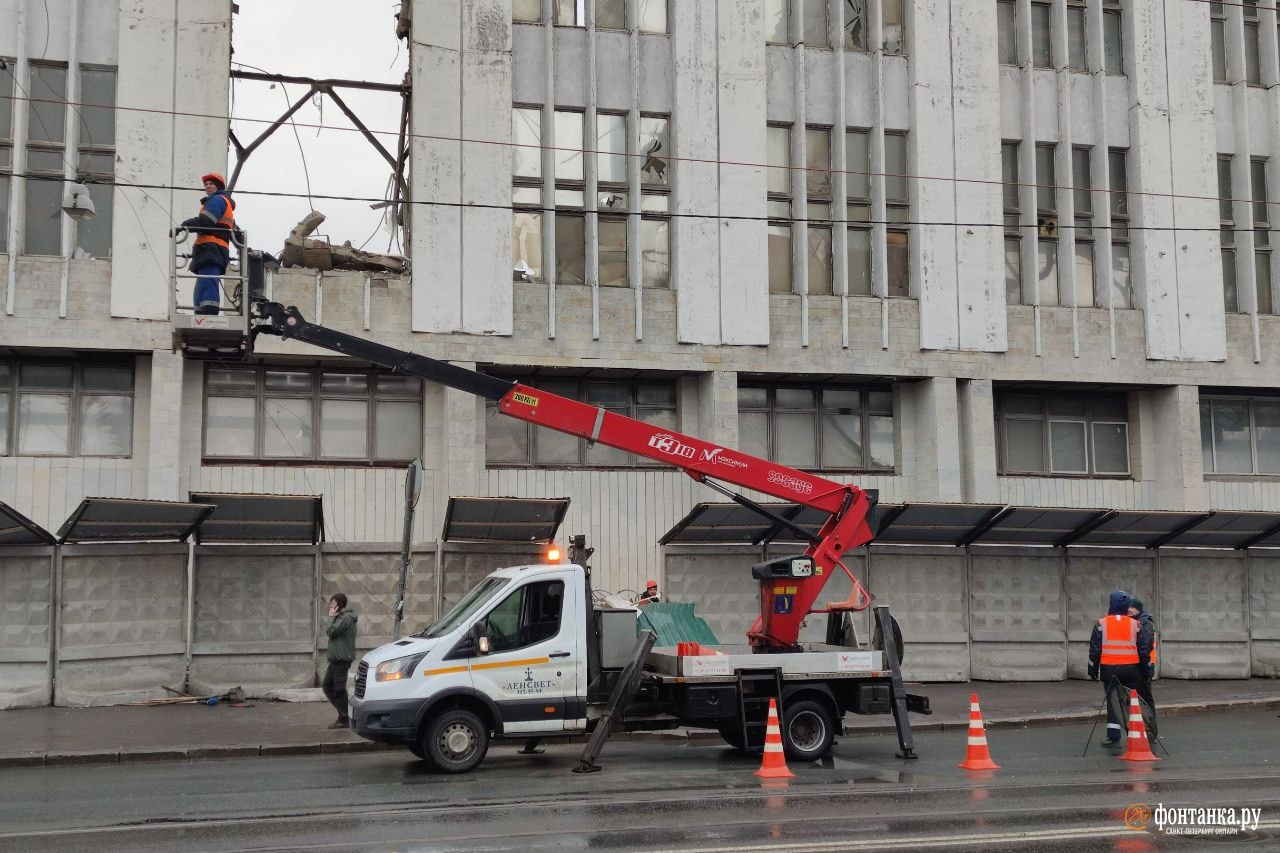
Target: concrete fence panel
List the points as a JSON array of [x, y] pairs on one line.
[[1091, 575], [718, 582], [1202, 615], [926, 590], [26, 626], [463, 566], [1017, 615], [1264, 613], [122, 622], [254, 618]]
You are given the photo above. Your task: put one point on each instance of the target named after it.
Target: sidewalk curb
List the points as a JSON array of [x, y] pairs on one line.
[[201, 753]]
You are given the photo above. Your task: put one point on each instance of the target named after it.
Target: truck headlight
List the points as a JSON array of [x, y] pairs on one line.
[[397, 669]]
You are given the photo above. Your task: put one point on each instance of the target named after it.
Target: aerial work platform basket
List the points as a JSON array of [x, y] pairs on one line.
[[224, 335]]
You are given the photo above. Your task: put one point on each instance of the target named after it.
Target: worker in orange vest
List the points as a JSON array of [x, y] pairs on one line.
[[1116, 658], [1146, 640], [215, 230]]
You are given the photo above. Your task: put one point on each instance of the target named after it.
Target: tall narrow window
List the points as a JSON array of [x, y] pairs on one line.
[[893, 26], [1227, 224], [526, 194], [46, 134], [1083, 198], [611, 201], [815, 23], [571, 13], [1012, 222], [655, 201], [526, 11], [1218, 36], [1077, 40], [1121, 271], [779, 208], [855, 24], [1006, 31], [97, 157], [817, 144], [1112, 37], [1041, 35], [857, 161], [1252, 46], [897, 203], [570, 233], [6, 168], [1046, 225], [777, 21], [1261, 235]]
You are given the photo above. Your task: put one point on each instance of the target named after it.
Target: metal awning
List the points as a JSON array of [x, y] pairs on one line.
[[123, 520], [17, 529], [992, 524], [261, 518], [933, 524], [1023, 525], [504, 519]]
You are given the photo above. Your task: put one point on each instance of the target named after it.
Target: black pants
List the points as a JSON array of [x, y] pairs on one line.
[[335, 685], [1117, 681]]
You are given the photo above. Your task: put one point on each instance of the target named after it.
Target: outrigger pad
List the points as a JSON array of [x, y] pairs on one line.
[[918, 704]]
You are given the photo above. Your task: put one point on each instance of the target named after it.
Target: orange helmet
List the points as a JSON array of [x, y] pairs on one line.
[[651, 585], [216, 178]]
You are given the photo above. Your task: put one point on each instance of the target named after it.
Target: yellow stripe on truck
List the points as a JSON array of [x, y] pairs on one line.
[[445, 670], [505, 663]]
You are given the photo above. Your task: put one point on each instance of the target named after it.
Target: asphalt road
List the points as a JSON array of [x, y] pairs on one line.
[[664, 796]]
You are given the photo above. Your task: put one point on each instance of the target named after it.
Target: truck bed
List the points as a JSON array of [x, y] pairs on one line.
[[818, 660]]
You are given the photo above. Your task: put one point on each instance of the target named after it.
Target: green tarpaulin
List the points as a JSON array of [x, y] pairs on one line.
[[675, 623]]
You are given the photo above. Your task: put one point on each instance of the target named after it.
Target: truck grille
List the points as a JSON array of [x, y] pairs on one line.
[[362, 675]]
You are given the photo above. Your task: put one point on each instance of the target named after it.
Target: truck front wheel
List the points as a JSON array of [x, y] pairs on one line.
[[455, 740], [807, 730]]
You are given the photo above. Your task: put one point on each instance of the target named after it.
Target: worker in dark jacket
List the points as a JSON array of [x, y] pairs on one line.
[[1146, 642], [215, 230], [1115, 658], [342, 650]]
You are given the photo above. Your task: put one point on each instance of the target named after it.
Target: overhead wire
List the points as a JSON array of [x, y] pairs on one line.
[[706, 161], [302, 154]]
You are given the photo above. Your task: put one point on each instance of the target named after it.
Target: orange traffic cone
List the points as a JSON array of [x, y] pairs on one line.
[[978, 756], [1138, 748], [774, 765]]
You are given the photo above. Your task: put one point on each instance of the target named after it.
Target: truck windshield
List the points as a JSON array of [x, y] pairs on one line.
[[480, 595]]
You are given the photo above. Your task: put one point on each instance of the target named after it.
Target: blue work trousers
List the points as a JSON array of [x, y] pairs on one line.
[[207, 295]]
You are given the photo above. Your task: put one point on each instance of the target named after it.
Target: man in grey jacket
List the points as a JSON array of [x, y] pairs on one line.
[[342, 650]]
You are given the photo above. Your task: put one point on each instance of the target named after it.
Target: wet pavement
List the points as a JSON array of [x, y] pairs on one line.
[[691, 795], [122, 734]]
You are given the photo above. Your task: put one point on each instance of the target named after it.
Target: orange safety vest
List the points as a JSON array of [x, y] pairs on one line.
[[1119, 640], [228, 221]]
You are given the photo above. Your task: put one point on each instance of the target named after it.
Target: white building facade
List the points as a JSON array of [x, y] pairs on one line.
[[958, 251]]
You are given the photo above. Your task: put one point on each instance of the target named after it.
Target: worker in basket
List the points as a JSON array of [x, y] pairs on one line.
[[215, 230], [649, 595]]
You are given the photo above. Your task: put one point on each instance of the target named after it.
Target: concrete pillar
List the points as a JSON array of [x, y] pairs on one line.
[[1169, 451], [976, 409], [939, 472], [717, 399], [454, 445], [164, 426]]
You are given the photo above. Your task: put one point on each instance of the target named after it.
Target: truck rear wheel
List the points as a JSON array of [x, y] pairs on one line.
[[807, 730], [455, 740]]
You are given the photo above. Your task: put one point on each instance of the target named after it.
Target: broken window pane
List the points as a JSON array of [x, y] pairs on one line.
[[570, 249], [571, 13], [815, 23], [898, 262], [93, 235], [611, 15], [779, 145], [47, 107], [655, 145], [526, 136], [819, 260], [655, 258], [779, 258], [526, 10], [568, 145], [97, 113], [526, 246], [859, 252], [613, 252], [611, 148], [817, 162], [652, 16], [776, 17], [855, 24], [894, 26]]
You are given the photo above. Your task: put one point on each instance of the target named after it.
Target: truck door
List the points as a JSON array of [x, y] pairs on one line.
[[532, 669]]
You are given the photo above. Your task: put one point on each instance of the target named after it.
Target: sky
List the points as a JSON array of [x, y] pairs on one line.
[[323, 39]]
